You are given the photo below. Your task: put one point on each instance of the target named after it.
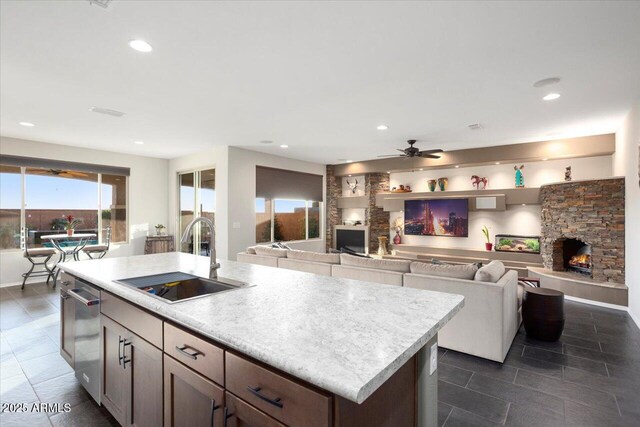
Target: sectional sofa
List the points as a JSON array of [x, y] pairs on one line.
[[485, 327]]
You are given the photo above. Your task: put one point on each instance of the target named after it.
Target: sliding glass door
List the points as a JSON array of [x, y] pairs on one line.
[[197, 197]]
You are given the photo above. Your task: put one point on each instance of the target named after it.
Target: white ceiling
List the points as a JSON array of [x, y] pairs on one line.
[[318, 76]]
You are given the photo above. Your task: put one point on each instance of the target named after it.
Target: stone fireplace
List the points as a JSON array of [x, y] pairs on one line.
[[583, 228], [572, 255]]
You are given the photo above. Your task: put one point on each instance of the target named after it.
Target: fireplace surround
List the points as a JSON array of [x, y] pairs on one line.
[[587, 214]]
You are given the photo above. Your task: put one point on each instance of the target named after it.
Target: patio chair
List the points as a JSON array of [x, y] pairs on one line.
[[38, 257], [98, 251]]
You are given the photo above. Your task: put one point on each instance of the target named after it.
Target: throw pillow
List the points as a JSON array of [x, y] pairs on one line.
[[491, 272], [400, 266], [465, 271], [314, 257], [273, 252]]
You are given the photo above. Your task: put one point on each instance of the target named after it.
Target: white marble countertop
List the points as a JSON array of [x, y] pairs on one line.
[[344, 336]]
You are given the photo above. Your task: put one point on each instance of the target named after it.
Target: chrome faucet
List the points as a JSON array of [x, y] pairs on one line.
[[213, 269]]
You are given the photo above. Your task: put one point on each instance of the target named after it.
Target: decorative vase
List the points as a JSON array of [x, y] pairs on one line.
[[442, 183], [397, 239], [488, 246], [382, 245], [70, 232], [432, 184]]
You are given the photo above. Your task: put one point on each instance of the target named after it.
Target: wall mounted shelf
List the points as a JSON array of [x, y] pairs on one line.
[[394, 202]]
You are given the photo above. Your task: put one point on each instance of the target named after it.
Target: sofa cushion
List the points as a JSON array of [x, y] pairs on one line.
[[314, 256], [267, 251], [491, 272], [401, 266], [251, 250], [465, 271]]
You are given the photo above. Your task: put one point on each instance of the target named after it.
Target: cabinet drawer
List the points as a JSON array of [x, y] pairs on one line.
[[196, 353], [136, 320], [242, 414], [283, 399]]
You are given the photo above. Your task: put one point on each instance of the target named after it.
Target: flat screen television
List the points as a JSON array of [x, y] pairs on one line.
[[352, 240], [437, 217]]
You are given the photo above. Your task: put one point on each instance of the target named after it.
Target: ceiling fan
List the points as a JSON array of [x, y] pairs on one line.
[[412, 151], [57, 172]]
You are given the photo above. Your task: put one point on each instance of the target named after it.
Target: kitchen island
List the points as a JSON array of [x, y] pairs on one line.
[[341, 352]]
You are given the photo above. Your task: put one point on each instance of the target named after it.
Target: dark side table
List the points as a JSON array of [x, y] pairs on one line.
[[543, 313]]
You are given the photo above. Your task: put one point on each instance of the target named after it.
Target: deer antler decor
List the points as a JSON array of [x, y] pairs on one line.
[[353, 186]]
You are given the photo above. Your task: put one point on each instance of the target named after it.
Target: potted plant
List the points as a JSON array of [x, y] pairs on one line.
[[160, 229], [71, 223], [488, 246]]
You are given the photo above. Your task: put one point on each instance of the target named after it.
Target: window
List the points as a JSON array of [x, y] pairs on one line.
[[39, 198], [10, 206], [197, 194], [282, 220]]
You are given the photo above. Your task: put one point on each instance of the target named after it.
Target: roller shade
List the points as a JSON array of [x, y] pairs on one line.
[[64, 165], [284, 184]]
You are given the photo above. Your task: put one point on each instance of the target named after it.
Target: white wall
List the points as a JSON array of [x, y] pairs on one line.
[[147, 195], [626, 163], [519, 220], [236, 194], [242, 197], [217, 158]]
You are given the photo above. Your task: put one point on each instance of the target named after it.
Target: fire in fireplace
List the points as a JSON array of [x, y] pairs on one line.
[[572, 255], [577, 256]]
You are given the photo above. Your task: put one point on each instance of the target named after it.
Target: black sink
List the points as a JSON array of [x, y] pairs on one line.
[[177, 286]]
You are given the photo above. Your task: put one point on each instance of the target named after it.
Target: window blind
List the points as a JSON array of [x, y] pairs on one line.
[[33, 162], [285, 184]]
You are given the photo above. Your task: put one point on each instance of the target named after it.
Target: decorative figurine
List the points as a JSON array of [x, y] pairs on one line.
[[442, 183], [477, 181], [567, 173], [432, 184], [519, 176], [353, 186]]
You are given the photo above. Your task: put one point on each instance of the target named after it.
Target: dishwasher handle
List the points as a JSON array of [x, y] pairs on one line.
[[75, 294]]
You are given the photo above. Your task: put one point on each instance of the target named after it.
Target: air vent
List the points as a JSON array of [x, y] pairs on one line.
[[102, 3], [106, 111], [475, 126]]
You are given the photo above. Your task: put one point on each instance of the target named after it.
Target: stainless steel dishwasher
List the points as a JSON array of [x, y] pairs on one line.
[[87, 336]]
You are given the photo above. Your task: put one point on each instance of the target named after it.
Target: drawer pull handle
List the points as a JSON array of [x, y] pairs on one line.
[[193, 355], [275, 402], [214, 407]]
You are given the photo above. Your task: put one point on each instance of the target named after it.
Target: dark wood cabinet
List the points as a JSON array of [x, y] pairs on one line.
[[241, 414], [132, 376], [190, 400]]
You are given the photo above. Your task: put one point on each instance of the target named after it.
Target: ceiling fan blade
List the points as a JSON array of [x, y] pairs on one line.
[[401, 150], [428, 156], [74, 173], [437, 150], [391, 155]]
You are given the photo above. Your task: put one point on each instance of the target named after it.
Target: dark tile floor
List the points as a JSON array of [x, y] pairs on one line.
[[591, 377]]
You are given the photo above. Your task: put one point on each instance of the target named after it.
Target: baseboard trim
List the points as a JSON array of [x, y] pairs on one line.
[[597, 303], [634, 318], [9, 284]]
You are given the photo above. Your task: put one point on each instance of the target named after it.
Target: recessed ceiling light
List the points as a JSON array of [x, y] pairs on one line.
[[382, 127], [551, 96], [524, 204], [138, 142], [457, 166], [547, 82], [497, 163], [140, 45], [284, 146], [27, 124], [388, 171], [266, 141], [349, 161], [421, 169], [545, 159], [349, 174]]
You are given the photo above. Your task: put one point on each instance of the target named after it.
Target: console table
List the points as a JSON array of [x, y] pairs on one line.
[[159, 244]]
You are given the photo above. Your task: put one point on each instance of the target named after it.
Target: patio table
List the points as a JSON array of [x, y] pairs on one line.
[[80, 239]]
